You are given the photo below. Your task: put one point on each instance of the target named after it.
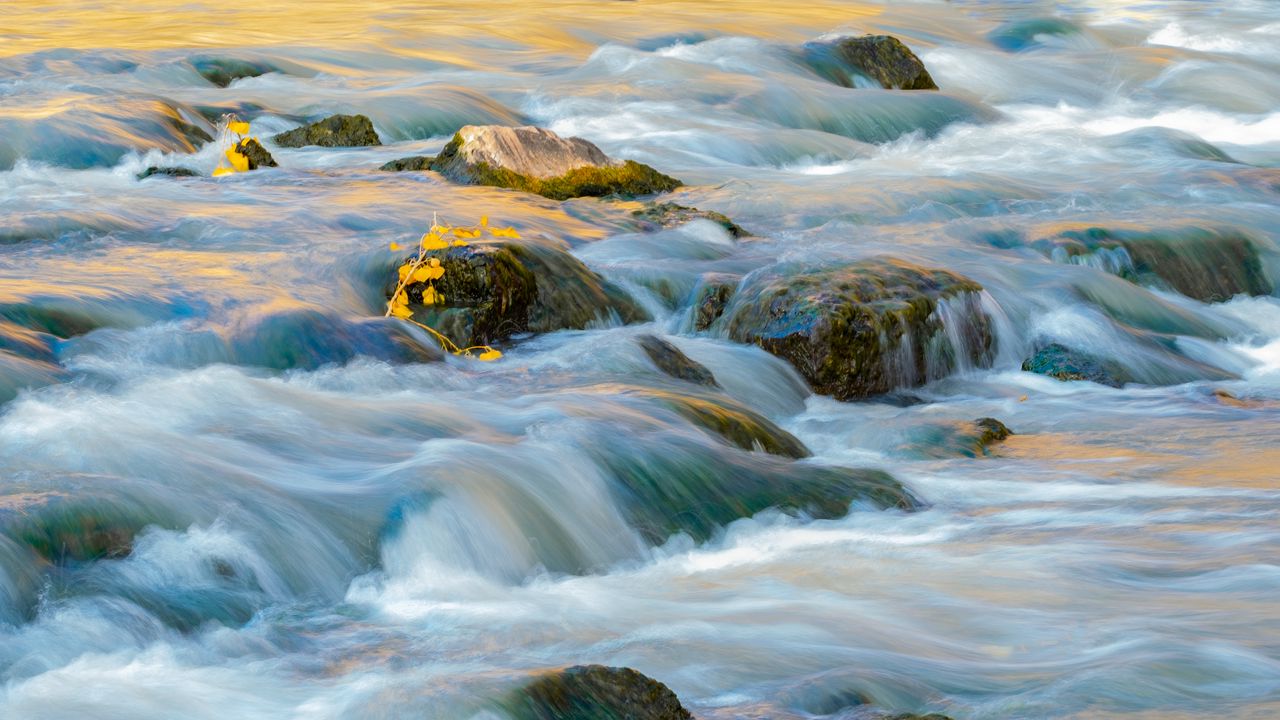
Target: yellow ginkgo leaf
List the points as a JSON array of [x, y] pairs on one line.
[[396, 246], [489, 355], [401, 311], [429, 296], [432, 241], [238, 127], [404, 272], [223, 171], [239, 162]]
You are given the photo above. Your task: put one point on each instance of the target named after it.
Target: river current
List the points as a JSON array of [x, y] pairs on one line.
[[330, 521]]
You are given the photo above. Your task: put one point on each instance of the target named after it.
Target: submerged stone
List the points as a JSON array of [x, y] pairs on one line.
[[167, 171], [732, 422], [972, 438], [409, 164], [493, 290], [1208, 265], [656, 215], [711, 297], [223, 71], [595, 692], [1064, 363], [865, 328], [671, 361], [882, 59], [333, 131], [535, 160]]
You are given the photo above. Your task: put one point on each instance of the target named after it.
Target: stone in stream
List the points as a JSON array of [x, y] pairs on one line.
[[223, 71], [1064, 363], [730, 421], [864, 328], [496, 289], [333, 131], [167, 171], [882, 59], [1211, 265], [969, 438], [711, 297], [594, 692], [535, 160], [415, 163], [671, 361], [257, 155], [656, 215]]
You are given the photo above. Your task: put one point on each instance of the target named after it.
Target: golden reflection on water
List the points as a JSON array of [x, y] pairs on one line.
[[550, 25]]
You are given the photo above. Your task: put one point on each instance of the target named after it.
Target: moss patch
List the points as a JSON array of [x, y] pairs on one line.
[[595, 692], [334, 131]]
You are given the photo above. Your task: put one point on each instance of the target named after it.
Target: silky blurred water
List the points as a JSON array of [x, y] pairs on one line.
[[330, 520]]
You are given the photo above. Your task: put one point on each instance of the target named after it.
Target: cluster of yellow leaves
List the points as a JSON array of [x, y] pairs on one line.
[[425, 268], [239, 162]]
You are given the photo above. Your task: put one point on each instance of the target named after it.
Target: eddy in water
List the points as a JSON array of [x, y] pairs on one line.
[[651, 360]]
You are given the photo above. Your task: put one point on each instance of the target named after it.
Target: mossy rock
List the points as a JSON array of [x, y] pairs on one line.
[[731, 421], [62, 529], [494, 290], [972, 438], [670, 360], [333, 131], [683, 486], [595, 692], [656, 216], [409, 164], [865, 328], [711, 297], [1064, 363], [223, 71], [882, 59], [257, 155], [1205, 264], [167, 172], [538, 161]]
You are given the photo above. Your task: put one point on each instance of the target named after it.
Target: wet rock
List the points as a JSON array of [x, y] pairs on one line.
[[882, 59], [865, 328], [913, 716], [712, 297], [595, 692], [973, 438], [223, 71], [683, 486], [1064, 363], [257, 155], [656, 215], [1018, 35], [731, 421], [671, 361], [1208, 265], [409, 164], [334, 131], [535, 160], [494, 290], [61, 529], [167, 171]]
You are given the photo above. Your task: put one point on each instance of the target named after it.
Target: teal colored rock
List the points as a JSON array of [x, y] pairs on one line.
[[223, 71], [864, 328], [595, 692], [971, 438], [334, 131], [1063, 363]]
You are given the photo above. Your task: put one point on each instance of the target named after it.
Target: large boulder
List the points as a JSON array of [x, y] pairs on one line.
[[495, 289], [595, 692], [1206, 264], [535, 160], [1064, 363], [880, 59], [864, 328], [333, 131]]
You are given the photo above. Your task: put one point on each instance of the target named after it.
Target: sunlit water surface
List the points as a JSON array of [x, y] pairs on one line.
[[335, 524]]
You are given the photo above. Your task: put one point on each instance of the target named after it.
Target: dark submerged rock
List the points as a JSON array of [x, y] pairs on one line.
[[167, 171], [711, 297], [257, 155], [494, 290], [409, 164], [655, 216], [1064, 363], [223, 71], [732, 422], [883, 59], [333, 131], [1208, 265], [973, 438], [865, 328], [671, 361], [595, 692], [535, 160]]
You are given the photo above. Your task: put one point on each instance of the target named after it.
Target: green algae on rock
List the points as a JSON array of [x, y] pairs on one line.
[[656, 215], [731, 421], [595, 692], [864, 328], [538, 161], [413, 163], [882, 59], [493, 290], [333, 131]]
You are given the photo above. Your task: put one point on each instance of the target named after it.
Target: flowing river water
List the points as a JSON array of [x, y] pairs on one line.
[[325, 520]]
